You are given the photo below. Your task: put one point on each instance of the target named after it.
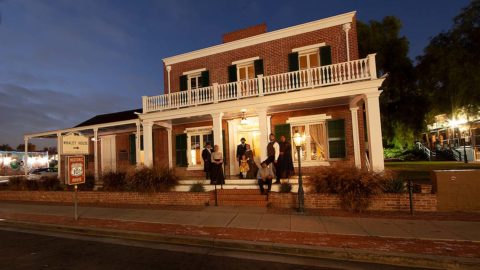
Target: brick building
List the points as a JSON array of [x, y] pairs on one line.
[[306, 78]]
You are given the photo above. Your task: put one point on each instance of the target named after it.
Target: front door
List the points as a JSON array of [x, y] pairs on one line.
[[108, 153], [250, 131]]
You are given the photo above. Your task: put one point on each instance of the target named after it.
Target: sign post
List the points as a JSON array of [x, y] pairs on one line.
[[76, 175]]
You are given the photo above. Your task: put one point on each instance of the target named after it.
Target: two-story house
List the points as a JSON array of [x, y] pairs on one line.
[[306, 78]]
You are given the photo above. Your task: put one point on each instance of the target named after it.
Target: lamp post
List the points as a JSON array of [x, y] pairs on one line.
[[298, 140], [465, 141]]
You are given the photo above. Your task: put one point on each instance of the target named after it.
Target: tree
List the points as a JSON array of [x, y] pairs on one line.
[[5, 147], [401, 103], [31, 147], [449, 70]]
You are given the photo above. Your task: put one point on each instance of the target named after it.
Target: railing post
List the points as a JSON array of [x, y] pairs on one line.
[[215, 92], [239, 89], [144, 104], [372, 66], [309, 78], [260, 85]]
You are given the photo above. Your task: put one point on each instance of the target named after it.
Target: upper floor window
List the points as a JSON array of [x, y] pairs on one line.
[[246, 72], [308, 60], [245, 69], [194, 81]]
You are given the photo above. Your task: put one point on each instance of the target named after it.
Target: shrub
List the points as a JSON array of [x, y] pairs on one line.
[[148, 179], [114, 181], [393, 185], [285, 187], [17, 183], [89, 182], [354, 186], [197, 187], [49, 183]]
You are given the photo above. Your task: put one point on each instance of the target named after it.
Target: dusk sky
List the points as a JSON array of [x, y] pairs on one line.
[[62, 62]]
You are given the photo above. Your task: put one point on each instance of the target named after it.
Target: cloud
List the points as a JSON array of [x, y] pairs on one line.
[[27, 110]]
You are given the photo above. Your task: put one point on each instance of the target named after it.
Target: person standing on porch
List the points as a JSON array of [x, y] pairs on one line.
[[253, 168], [207, 159], [285, 159], [241, 148], [273, 152], [216, 173]]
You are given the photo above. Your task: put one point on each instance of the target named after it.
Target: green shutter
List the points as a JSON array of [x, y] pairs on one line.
[[181, 150], [133, 149], [258, 65], [336, 138], [232, 73], [205, 79], [293, 61], [325, 55], [282, 130], [183, 83]]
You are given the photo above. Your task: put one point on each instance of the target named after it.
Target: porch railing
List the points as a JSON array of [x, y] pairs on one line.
[[346, 72]]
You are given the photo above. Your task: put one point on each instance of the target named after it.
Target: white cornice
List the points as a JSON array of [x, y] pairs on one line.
[[269, 36]]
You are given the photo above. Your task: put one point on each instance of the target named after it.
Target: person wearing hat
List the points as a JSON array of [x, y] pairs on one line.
[[207, 159], [241, 148]]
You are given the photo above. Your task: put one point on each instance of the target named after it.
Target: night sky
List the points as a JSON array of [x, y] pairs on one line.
[[62, 62]]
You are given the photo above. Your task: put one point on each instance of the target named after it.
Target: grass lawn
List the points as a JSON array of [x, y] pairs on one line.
[[420, 170]]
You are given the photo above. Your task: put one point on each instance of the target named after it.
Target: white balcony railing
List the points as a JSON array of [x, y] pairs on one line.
[[357, 70]]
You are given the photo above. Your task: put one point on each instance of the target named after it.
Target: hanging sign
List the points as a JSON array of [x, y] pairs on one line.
[[76, 170], [73, 144]]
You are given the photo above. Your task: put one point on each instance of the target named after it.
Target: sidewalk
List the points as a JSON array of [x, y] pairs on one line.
[[459, 239]]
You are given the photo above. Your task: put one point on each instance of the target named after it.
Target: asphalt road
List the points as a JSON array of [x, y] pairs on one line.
[[20, 250]]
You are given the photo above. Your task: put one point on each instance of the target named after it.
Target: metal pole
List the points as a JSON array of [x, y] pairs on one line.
[[76, 204], [216, 199], [300, 183], [465, 150], [410, 191]]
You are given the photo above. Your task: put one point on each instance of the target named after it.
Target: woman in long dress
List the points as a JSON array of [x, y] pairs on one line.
[[216, 174], [253, 168]]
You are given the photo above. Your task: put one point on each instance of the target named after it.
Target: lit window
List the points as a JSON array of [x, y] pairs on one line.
[[308, 60], [313, 149]]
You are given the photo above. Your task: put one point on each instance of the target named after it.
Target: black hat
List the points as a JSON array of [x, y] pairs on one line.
[[242, 139]]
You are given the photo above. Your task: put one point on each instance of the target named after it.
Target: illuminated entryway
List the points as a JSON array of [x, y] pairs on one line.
[[249, 130]]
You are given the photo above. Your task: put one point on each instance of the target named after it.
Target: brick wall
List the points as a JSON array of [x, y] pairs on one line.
[[274, 54], [385, 202], [94, 197], [244, 33]]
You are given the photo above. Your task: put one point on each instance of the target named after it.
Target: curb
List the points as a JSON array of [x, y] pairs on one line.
[[344, 254]]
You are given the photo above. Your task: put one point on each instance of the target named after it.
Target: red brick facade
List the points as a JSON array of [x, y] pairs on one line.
[[274, 54], [244, 33]]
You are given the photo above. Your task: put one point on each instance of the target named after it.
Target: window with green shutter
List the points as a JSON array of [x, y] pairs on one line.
[[183, 83], [325, 55], [282, 130], [293, 61], [133, 149], [205, 78], [336, 138], [181, 150], [258, 66]]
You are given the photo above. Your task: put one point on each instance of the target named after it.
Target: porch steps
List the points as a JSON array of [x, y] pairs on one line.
[[240, 197], [232, 184]]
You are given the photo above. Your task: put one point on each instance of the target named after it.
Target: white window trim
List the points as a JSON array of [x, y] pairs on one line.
[[246, 64], [197, 75], [245, 61], [309, 48], [196, 131], [194, 71], [306, 121]]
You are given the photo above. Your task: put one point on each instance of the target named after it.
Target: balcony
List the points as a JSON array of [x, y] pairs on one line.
[[346, 72]]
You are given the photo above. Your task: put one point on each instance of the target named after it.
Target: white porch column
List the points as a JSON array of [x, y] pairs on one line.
[[170, 147], [217, 130], [59, 154], [346, 27], [25, 164], [169, 68], [264, 126], [95, 152], [148, 143], [138, 135], [374, 128], [356, 137]]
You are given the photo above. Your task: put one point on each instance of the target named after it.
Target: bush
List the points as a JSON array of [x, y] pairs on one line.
[[393, 185], [89, 182], [114, 181], [197, 187], [354, 186], [148, 179], [17, 183], [49, 183], [285, 187]]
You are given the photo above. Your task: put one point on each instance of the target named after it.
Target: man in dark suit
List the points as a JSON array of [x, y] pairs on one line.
[[241, 148], [207, 159]]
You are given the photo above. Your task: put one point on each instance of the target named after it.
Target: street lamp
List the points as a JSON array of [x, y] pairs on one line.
[[298, 140], [466, 134]]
